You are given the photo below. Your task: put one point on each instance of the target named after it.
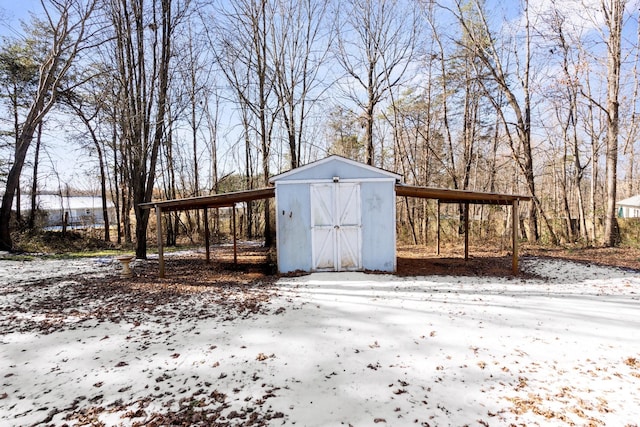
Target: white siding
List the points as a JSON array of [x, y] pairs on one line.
[[293, 219], [371, 247]]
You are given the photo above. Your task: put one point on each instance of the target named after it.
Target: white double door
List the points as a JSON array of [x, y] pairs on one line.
[[336, 226]]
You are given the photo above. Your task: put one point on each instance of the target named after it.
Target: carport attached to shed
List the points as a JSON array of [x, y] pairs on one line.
[[336, 214], [465, 198], [203, 202]]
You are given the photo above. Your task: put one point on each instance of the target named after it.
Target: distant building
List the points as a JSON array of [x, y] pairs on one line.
[[629, 208], [80, 211]]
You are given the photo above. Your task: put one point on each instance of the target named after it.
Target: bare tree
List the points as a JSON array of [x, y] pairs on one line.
[[243, 51], [143, 51], [89, 112], [593, 124], [375, 46], [463, 86], [565, 98], [300, 46], [67, 22], [482, 42], [31, 222], [195, 75], [613, 11]]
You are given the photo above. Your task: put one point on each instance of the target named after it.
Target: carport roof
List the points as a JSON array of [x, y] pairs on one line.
[[213, 201], [229, 199], [458, 196]]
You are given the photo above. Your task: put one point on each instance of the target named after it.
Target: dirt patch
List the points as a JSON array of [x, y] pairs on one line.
[[422, 260], [255, 263], [452, 266], [628, 258]]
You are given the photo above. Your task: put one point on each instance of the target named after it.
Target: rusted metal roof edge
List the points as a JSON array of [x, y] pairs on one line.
[[458, 196], [213, 201]]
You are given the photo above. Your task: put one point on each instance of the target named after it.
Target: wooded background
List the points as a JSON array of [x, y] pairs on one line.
[[182, 98]]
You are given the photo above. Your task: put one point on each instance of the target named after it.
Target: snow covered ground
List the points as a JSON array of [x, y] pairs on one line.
[[327, 349]]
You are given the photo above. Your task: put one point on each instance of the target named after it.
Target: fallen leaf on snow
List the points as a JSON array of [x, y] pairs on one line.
[[261, 356]]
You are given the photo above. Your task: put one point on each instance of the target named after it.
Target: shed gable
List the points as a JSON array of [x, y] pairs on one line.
[[335, 166]]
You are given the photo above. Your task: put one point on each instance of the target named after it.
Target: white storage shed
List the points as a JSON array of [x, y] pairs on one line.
[[336, 214]]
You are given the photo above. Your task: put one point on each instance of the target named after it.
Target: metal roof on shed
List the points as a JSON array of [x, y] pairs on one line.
[[364, 171]]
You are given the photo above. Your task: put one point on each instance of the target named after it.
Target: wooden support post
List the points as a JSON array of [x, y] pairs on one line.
[[466, 231], [207, 239], [235, 244], [514, 236], [438, 229], [159, 237]]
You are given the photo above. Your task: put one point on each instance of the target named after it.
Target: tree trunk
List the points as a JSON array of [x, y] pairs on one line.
[[248, 164], [103, 192], [13, 180], [368, 135], [614, 15], [34, 183]]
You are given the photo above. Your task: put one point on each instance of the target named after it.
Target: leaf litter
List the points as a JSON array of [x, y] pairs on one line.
[[200, 348]]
